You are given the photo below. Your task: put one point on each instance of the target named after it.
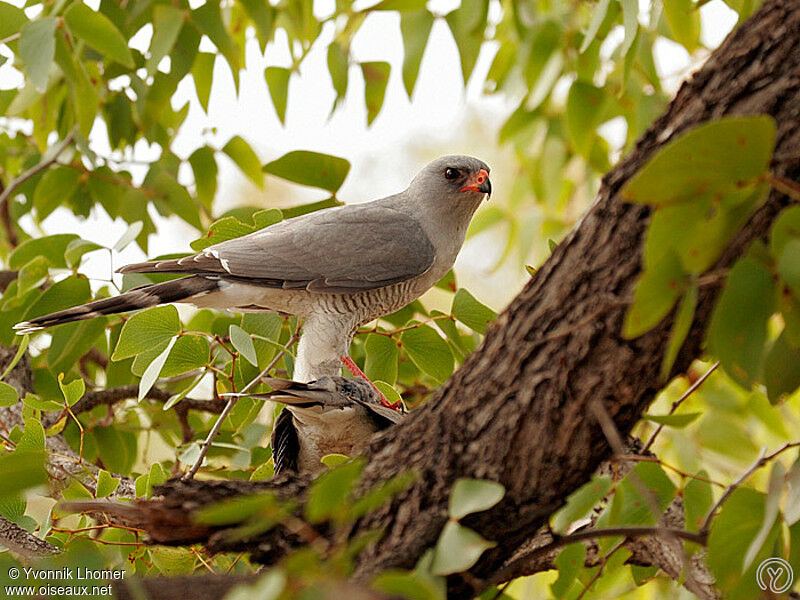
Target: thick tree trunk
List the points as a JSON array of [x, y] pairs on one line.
[[517, 411]]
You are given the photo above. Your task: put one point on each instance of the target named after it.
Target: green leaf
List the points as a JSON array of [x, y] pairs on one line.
[[457, 549], [99, 32], [245, 158], [334, 460], [133, 231], [582, 501], [677, 421], [771, 508], [656, 292], [107, 484], [77, 248], [204, 168], [34, 401], [738, 329], [630, 21], [382, 354], [278, 85], [175, 197], [21, 470], [32, 275], [585, 108], [146, 330], [153, 370], [415, 28], [23, 346], [330, 494], [376, 77], [683, 19], [598, 16], [781, 369], [37, 47], [473, 495], [713, 158], [339, 69], [55, 187], [569, 563], [428, 351], [8, 395], [243, 343], [203, 76], [12, 19], [699, 231], [470, 312], [71, 341], [697, 501], [400, 5], [403, 584], [72, 391], [310, 168], [785, 229], [263, 17], [789, 265], [33, 437], [680, 328], [791, 512], [388, 391], [167, 23], [737, 523], [208, 19]]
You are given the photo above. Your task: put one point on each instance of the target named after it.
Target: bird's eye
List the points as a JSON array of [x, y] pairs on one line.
[[450, 173]]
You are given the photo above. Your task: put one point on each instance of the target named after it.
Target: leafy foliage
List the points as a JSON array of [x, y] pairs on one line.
[[570, 70]]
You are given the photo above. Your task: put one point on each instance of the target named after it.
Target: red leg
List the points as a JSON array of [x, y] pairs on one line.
[[357, 372]]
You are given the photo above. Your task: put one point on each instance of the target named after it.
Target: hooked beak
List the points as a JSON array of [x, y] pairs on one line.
[[479, 183]]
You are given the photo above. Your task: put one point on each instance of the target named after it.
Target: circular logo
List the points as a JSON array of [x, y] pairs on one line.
[[775, 575]]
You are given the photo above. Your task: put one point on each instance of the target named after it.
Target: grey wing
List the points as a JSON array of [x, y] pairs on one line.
[[285, 443], [341, 250]]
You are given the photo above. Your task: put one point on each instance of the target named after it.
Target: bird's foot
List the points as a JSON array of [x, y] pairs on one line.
[[357, 372]]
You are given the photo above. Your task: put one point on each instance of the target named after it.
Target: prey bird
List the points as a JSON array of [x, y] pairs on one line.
[[332, 415], [336, 268]]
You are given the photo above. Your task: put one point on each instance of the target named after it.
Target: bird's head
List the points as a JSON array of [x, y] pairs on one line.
[[456, 178]]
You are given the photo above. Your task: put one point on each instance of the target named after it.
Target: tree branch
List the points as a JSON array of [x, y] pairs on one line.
[[22, 543]]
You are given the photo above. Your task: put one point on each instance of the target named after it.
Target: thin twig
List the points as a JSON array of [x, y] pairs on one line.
[[680, 401], [603, 561], [206, 445], [36, 169], [762, 460]]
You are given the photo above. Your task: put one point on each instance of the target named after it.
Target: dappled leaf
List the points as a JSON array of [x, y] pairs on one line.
[[99, 32], [473, 495], [145, 330], [656, 292], [715, 157], [738, 329], [428, 351], [376, 77], [457, 549], [310, 168]]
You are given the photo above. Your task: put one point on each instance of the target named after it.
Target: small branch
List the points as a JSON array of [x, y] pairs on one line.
[[760, 462], [111, 396], [785, 185], [229, 407], [559, 541], [680, 401], [22, 543], [36, 169]]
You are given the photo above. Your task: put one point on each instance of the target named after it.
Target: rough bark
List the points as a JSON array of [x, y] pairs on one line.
[[23, 543]]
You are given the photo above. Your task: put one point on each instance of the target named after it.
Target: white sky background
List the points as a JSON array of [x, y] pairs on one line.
[[382, 162]]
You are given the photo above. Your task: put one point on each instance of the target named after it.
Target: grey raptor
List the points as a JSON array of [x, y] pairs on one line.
[[336, 268]]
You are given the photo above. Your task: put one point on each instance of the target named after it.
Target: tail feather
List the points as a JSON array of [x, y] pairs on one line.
[[141, 297]]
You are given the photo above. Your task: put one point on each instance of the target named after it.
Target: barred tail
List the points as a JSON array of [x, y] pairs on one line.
[[141, 297]]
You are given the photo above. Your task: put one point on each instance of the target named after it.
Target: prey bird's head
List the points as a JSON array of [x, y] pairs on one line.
[[454, 179]]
